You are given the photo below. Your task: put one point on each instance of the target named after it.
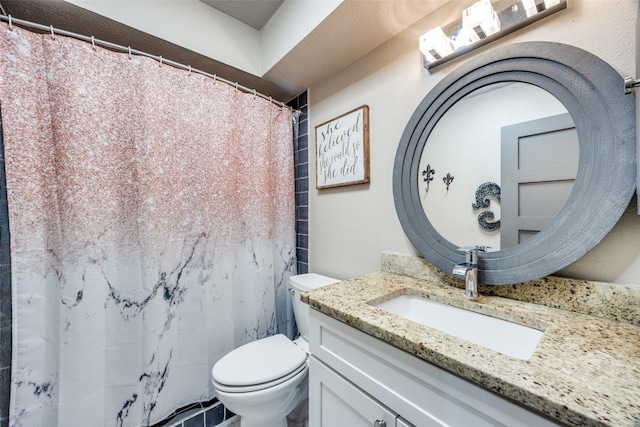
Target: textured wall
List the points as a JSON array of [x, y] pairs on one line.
[[351, 226]]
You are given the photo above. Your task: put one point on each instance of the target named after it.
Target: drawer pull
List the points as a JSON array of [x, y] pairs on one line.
[[379, 423]]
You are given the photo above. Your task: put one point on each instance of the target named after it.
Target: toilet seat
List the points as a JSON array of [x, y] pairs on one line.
[[259, 365], [263, 386]]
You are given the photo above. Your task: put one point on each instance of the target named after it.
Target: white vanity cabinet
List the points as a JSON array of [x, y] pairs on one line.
[[358, 380], [337, 402]]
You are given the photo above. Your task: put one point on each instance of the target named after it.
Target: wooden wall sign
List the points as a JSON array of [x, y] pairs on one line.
[[342, 150]]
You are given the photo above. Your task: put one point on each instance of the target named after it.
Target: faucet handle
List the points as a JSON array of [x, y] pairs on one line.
[[472, 253], [474, 248]]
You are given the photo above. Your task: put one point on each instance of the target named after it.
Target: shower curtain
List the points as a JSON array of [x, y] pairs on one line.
[[152, 222]]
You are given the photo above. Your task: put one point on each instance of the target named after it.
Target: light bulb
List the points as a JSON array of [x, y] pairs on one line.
[[481, 18], [435, 45]]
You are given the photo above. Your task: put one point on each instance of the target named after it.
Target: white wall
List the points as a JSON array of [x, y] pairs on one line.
[[291, 23], [200, 28], [350, 226], [190, 24]]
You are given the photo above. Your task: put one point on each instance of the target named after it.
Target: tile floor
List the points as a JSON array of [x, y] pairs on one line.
[[218, 416]]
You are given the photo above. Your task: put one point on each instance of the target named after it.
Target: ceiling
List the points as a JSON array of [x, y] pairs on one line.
[[351, 29], [254, 13]]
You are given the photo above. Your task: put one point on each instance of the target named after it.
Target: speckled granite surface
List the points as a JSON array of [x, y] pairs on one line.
[[585, 370], [615, 302]]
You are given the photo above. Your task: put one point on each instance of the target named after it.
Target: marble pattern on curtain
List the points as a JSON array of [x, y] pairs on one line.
[[152, 220]]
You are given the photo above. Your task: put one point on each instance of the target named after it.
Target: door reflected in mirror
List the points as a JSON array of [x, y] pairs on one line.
[[515, 148]]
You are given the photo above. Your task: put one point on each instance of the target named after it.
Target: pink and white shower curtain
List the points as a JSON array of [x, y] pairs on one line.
[[152, 223]]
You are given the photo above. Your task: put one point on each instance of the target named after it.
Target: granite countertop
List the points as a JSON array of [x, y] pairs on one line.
[[584, 371]]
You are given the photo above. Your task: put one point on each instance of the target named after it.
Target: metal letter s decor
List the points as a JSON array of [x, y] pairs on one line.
[[483, 193]]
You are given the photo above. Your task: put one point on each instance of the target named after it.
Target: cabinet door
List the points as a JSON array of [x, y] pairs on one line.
[[403, 423], [334, 401]]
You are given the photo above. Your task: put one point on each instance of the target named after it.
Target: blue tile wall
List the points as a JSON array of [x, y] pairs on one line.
[[214, 416], [204, 414], [301, 164], [195, 421], [5, 294]]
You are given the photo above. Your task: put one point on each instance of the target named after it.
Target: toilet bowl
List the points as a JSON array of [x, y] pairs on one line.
[[264, 380]]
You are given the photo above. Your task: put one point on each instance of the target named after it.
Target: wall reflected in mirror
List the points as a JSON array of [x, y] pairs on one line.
[[515, 136]]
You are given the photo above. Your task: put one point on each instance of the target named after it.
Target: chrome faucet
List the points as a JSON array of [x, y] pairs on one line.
[[468, 270]]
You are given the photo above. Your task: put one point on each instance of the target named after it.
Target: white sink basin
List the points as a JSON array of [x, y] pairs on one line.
[[496, 334]]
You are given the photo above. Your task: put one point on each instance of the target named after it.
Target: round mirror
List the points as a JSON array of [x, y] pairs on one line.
[[515, 133], [592, 93]]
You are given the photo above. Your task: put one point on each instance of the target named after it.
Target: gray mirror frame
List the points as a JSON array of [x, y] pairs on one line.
[[593, 93]]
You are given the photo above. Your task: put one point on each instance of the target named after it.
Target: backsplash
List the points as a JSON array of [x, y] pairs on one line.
[[616, 302]]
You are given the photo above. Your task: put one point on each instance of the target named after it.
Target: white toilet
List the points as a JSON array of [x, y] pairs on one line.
[[264, 380]]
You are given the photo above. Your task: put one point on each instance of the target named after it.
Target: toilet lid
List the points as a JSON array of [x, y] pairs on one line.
[[258, 362]]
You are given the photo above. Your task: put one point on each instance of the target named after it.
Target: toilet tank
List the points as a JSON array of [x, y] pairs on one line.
[[301, 283]]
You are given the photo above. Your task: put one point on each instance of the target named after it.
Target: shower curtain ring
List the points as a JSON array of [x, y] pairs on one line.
[[254, 93], [93, 43], [215, 76], [160, 61], [189, 69], [236, 85], [53, 35], [130, 57], [10, 24]]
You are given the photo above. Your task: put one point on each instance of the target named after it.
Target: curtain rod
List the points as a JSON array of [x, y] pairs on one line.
[[127, 49]]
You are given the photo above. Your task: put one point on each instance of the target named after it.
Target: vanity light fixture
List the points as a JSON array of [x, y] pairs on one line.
[[481, 18], [435, 45], [463, 37], [482, 23], [536, 6]]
